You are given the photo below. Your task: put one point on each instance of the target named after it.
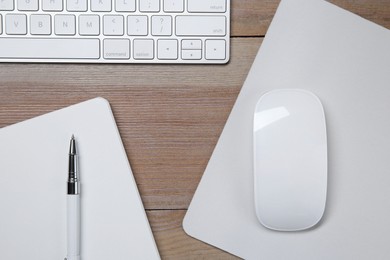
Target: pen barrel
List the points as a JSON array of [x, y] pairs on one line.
[[73, 227], [73, 181]]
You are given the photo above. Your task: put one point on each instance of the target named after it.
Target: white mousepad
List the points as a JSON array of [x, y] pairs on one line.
[[345, 61]]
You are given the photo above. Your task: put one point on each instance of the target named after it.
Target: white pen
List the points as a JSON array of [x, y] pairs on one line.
[[73, 204]]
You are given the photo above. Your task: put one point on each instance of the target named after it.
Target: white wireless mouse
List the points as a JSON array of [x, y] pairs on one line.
[[290, 160]]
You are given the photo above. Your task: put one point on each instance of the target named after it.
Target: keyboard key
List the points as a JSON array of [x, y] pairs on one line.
[[207, 6], [35, 48], [40, 24], [116, 49], [89, 24], [191, 54], [149, 5], [52, 5], [101, 5], [1, 25], [27, 5], [125, 5], [6, 5], [16, 24], [215, 49], [191, 44], [173, 6], [167, 49], [76, 5], [143, 49], [137, 25], [65, 24], [200, 25], [161, 25], [113, 25]]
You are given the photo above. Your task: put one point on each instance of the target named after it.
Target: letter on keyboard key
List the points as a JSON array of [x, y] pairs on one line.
[[143, 49], [89, 24], [101, 5], [76, 5], [49, 48], [40, 24], [116, 49], [6, 5], [27, 5], [65, 24], [16, 24], [125, 5], [52, 5], [207, 6], [200, 25]]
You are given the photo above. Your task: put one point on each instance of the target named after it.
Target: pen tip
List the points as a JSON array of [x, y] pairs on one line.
[[72, 136], [72, 149]]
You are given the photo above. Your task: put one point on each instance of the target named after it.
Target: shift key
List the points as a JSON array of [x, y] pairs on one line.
[[200, 25]]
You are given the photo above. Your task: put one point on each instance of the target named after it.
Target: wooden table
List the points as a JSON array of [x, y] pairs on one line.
[[169, 116]]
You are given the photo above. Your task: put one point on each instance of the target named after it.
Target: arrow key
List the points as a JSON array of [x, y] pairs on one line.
[[167, 49], [215, 49], [191, 44], [191, 54]]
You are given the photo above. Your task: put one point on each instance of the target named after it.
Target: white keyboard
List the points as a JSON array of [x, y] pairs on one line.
[[115, 31]]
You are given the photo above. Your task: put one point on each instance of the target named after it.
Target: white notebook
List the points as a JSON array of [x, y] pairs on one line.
[[33, 176], [345, 60]]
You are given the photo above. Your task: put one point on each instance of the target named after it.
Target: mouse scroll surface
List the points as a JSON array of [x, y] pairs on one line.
[[290, 160]]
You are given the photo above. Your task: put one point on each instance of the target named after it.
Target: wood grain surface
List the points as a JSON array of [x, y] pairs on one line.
[[252, 17], [169, 116]]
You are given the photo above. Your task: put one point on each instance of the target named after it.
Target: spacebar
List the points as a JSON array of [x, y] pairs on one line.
[[49, 48]]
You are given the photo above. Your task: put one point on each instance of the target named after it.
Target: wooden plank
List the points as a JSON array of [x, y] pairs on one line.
[[169, 117], [174, 243], [252, 17]]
